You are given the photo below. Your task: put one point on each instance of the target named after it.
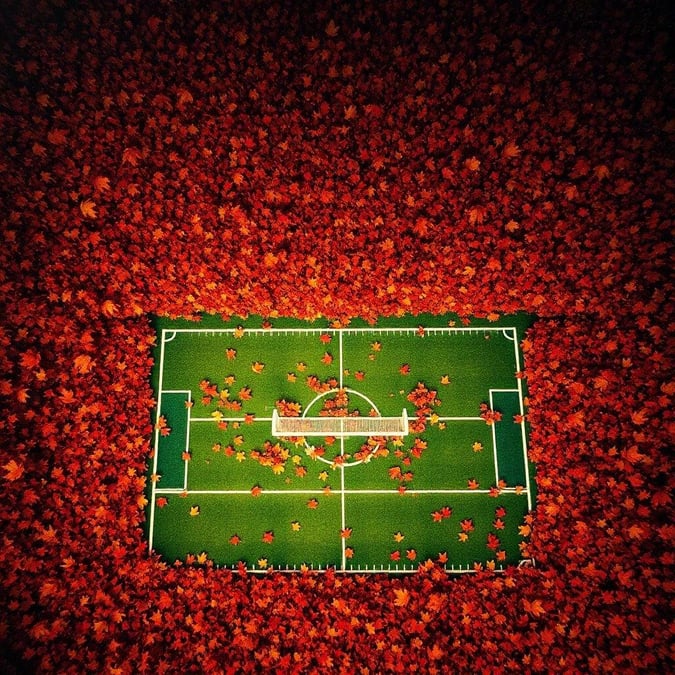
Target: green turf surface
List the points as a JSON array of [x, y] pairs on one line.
[[219, 473]]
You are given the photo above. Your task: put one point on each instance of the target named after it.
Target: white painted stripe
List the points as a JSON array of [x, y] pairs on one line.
[[361, 570], [522, 427], [343, 520], [431, 330], [494, 441], [408, 492], [268, 420], [153, 492], [187, 442]]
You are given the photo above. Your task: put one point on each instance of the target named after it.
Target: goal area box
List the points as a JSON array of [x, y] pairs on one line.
[[362, 448]]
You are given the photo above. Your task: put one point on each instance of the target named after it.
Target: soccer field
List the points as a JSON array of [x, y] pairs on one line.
[[455, 489]]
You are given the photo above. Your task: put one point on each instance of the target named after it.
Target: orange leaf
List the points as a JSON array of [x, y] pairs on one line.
[[401, 597], [131, 156], [109, 308], [511, 149], [83, 363], [101, 183], [88, 208], [535, 608], [14, 470]]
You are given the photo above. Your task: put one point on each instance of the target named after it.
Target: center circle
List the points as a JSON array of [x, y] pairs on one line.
[[324, 394]]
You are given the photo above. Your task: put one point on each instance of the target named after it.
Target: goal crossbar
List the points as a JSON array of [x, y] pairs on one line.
[[339, 427]]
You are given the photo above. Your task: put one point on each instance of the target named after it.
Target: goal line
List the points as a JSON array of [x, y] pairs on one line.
[[340, 427]]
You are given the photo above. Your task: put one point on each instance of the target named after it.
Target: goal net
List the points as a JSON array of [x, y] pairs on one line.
[[339, 426]]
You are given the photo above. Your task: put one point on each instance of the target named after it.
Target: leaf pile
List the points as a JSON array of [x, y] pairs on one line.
[[334, 160]]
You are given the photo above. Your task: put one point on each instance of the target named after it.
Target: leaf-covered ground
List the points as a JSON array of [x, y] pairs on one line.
[[336, 160]]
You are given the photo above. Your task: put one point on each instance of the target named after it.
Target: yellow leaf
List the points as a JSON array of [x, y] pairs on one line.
[[14, 470], [88, 208], [401, 597], [194, 510]]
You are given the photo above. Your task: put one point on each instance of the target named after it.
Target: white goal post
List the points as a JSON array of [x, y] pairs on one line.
[[339, 427]]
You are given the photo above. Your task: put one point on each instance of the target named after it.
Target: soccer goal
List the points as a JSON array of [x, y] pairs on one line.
[[339, 427]]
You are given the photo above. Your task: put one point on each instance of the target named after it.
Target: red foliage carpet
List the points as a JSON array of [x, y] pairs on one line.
[[336, 160]]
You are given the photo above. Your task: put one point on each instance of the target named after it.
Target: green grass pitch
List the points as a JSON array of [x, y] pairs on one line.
[[456, 490]]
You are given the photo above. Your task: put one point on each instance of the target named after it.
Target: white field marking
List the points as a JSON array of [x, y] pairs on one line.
[[187, 441], [231, 419], [522, 425], [167, 332], [510, 334], [153, 492], [494, 442], [409, 492], [341, 360], [375, 569], [431, 330], [458, 419], [269, 419], [343, 542]]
